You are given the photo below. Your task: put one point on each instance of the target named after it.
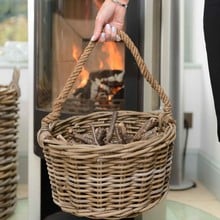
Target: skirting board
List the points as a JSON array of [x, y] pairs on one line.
[[209, 174]]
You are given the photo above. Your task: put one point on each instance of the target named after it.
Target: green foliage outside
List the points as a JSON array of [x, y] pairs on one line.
[[13, 20]]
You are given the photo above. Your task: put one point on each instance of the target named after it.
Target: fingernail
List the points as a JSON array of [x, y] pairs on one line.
[[102, 38], [108, 26], [118, 38], [93, 38], [113, 29]]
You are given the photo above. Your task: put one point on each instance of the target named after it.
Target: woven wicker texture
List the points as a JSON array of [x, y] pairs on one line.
[[8, 146], [112, 181]]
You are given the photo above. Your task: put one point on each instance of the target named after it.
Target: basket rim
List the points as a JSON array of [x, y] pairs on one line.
[[46, 137]]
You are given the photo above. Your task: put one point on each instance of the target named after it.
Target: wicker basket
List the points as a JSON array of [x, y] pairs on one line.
[[8, 146], [112, 181]]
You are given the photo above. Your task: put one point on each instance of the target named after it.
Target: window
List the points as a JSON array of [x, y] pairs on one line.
[[13, 32]]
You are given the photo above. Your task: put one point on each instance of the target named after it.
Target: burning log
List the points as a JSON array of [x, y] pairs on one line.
[[102, 87]]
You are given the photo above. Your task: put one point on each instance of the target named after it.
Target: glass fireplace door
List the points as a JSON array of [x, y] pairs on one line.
[[66, 30]]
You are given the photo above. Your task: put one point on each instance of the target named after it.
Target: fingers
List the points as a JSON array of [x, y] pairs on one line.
[[109, 33], [97, 31]]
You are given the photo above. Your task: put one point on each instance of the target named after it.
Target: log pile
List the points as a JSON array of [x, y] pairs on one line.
[[102, 84], [104, 90], [115, 133]]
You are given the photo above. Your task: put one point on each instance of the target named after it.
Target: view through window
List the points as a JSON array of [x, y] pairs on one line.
[[13, 32]]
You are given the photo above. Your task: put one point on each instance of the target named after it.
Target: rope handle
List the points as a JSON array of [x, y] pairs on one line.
[[57, 106]]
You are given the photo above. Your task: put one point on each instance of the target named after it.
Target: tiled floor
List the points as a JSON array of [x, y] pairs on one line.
[[21, 210], [193, 204], [198, 197]]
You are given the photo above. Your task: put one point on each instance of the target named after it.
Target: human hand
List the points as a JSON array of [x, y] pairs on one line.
[[110, 17]]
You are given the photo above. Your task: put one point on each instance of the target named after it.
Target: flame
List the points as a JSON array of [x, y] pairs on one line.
[[109, 57], [83, 78], [101, 64], [75, 53], [84, 75], [114, 57]]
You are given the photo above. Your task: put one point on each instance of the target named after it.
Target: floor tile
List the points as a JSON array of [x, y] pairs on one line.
[[192, 204], [180, 211], [21, 210]]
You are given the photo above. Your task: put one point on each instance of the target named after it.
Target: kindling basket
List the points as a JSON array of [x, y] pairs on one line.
[[120, 175], [9, 95]]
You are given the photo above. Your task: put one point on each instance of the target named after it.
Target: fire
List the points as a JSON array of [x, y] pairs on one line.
[[114, 58], [84, 75], [83, 78], [109, 57], [75, 53]]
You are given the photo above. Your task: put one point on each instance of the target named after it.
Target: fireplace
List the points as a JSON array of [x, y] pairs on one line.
[[110, 79]]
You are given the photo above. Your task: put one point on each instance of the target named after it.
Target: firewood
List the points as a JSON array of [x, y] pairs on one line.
[[149, 133], [112, 127], [121, 133], [70, 130], [146, 127], [100, 135], [94, 135], [86, 139], [104, 135], [61, 138]]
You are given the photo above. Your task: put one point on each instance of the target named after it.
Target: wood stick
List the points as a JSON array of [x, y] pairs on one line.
[[86, 139], [61, 138], [100, 135], [94, 134], [149, 133], [112, 127], [146, 127], [121, 132]]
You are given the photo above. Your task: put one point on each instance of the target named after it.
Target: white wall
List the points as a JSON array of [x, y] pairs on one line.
[[198, 99], [198, 94]]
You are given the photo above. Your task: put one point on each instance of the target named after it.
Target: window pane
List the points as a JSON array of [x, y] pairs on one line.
[[13, 31]]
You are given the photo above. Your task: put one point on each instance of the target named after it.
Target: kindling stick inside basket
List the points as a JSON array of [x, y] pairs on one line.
[[109, 165]]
